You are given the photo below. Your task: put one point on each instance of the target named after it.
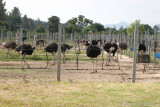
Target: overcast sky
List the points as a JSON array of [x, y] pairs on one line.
[[101, 11]]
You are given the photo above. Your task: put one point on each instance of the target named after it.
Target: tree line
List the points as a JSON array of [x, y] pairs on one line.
[[13, 20]]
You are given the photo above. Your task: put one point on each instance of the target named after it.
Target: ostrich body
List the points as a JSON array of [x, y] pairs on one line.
[[9, 46], [53, 48], [121, 47], [110, 48], [88, 43], [141, 48], [65, 48], [25, 49], [42, 43], [93, 51]]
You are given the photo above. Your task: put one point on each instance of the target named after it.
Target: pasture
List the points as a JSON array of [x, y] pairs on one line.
[[108, 87], [38, 86]]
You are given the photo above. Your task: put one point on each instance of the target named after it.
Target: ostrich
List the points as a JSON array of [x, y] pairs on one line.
[[141, 48], [64, 48], [93, 51], [42, 43], [9, 46], [53, 47], [110, 48], [121, 47], [24, 49], [23, 39]]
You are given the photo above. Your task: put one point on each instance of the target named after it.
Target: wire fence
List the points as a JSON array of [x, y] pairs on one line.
[[76, 59]]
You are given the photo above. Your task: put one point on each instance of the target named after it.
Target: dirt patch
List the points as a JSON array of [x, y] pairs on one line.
[[70, 73]]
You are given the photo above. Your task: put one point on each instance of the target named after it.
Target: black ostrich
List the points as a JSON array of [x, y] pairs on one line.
[[25, 49], [141, 48], [121, 46], [9, 46], [53, 47], [88, 43], [110, 48], [65, 48], [93, 51]]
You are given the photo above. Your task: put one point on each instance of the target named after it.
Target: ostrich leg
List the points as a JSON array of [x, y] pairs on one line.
[[53, 54], [102, 58], [25, 61], [93, 66], [21, 61], [64, 58], [117, 53], [47, 60], [8, 53], [106, 59], [96, 65], [121, 53]]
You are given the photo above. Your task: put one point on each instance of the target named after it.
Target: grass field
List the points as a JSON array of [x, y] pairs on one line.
[[35, 88], [78, 94]]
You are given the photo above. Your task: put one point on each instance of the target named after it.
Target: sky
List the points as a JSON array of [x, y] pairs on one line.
[[101, 11]]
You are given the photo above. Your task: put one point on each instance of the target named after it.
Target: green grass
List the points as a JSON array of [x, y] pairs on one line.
[[40, 55], [81, 94]]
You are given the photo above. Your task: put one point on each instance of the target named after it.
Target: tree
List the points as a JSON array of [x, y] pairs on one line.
[[32, 25], [14, 19], [25, 22], [95, 27], [3, 15], [40, 29], [98, 27], [53, 24], [147, 27], [78, 23], [156, 28], [131, 28]]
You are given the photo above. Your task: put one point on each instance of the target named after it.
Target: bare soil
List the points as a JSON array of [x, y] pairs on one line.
[[69, 71]]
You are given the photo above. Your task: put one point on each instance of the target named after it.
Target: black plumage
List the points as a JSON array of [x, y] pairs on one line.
[[93, 51], [25, 49], [65, 47], [110, 48], [121, 46], [53, 48], [24, 38], [94, 42], [141, 47]]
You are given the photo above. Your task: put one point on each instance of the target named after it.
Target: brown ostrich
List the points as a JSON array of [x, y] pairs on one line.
[[9, 46]]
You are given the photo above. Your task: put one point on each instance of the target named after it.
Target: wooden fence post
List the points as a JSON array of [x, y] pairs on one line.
[[59, 52], [135, 54]]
